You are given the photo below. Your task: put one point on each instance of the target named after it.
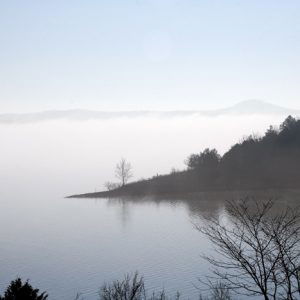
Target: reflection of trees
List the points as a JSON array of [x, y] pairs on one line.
[[203, 204], [123, 209], [196, 206]]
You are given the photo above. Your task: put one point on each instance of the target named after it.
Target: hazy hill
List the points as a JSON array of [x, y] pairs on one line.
[[271, 161], [257, 107], [246, 107]]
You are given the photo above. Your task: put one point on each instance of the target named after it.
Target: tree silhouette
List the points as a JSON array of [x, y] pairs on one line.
[[256, 162], [257, 252], [209, 158], [123, 171], [22, 291]]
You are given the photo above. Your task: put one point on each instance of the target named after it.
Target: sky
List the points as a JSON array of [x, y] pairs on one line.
[[148, 54]]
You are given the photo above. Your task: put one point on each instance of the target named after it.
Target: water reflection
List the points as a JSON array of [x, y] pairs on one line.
[[74, 245], [201, 205]]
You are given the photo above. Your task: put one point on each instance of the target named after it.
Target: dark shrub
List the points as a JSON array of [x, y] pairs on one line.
[[22, 291]]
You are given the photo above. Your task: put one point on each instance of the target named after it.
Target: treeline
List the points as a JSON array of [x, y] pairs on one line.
[[269, 161], [132, 287]]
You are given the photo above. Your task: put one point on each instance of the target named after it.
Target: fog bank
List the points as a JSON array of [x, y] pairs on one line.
[[79, 156]]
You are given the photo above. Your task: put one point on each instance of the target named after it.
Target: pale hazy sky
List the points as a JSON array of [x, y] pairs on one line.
[[148, 54]]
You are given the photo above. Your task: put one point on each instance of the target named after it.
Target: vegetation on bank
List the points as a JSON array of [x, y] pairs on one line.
[[269, 161], [131, 287]]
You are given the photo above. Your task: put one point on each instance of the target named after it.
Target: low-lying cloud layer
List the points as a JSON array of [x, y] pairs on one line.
[[68, 157], [251, 107]]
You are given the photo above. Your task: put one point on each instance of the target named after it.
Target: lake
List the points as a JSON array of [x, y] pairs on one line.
[[69, 246]]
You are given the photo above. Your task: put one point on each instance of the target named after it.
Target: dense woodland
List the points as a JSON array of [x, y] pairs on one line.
[[270, 161]]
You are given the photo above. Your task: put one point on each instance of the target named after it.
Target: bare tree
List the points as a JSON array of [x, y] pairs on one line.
[[218, 291], [123, 171], [258, 253], [132, 287]]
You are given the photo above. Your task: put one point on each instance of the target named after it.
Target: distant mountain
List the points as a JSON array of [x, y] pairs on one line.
[[243, 108], [257, 107]]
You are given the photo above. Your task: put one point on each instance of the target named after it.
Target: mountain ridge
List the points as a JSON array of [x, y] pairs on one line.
[[248, 107]]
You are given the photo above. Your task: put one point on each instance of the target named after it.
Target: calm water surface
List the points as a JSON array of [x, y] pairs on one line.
[[69, 246]]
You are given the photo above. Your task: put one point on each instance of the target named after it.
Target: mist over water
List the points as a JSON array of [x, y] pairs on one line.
[[73, 157], [67, 246]]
